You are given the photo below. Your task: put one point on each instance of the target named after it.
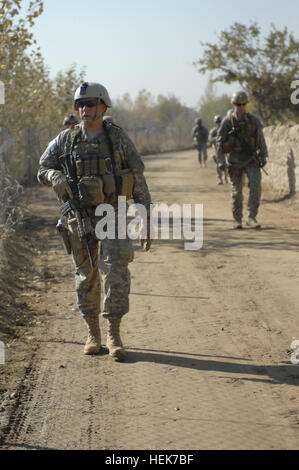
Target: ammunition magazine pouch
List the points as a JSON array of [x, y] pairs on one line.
[[93, 166], [99, 188], [126, 182], [229, 145], [94, 189], [109, 185]]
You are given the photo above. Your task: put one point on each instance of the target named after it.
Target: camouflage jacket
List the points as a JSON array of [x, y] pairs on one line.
[[213, 136], [200, 133], [241, 139], [125, 155]]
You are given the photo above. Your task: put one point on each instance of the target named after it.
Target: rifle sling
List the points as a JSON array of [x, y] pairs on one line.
[[110, 143]]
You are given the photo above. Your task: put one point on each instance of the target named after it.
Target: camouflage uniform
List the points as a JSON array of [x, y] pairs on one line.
[[117, 253], [240, 162], [220, 167], [200, 136]]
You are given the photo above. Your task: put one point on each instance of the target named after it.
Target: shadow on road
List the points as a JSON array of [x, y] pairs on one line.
[[218, 235], [275, 374]]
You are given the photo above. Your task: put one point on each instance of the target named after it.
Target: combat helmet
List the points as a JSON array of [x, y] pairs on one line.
[[217, 119], [240, 97], [108, 119], [92, 90], [70, 119], [198, 121]]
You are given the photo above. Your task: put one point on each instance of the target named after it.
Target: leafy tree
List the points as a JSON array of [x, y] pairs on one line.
[[24, 76], [212, 104], [15, 29], [35, 104], [264, 67], [64, 86], [155, 124]]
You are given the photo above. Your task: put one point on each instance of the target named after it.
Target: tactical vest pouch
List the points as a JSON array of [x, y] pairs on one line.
[[92, 166], [229, 145], [126, 182], [109, 186], [94, 189]]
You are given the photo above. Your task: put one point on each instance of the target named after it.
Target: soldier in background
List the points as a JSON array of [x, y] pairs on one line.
[[70, 120], [108, 165], [241, 137], [200, 136], [220, 166]]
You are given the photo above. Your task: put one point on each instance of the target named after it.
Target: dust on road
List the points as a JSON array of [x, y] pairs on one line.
[[208, 336]]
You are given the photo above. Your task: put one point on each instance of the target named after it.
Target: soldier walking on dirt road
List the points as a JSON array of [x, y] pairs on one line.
[[200, 136], [241, 137], [105, 164], [221, 168]]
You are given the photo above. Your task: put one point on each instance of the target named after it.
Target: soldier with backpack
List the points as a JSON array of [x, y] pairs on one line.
[[241, 137]]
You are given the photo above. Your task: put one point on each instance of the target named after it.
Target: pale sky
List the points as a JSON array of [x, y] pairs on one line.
[[128, 45]]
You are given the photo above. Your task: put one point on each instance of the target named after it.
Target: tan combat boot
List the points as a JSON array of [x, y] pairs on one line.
[[93, 343], [114, 343], [237, 225], [253, 223]]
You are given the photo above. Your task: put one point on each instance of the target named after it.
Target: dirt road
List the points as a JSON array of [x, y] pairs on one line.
[[208, 336]]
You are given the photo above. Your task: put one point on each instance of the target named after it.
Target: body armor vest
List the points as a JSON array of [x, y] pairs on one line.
[[243, 135], [246, 132], [92, 159], [101, 166]]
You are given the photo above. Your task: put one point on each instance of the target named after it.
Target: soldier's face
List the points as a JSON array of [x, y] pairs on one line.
[[240, 109], [91, 109]]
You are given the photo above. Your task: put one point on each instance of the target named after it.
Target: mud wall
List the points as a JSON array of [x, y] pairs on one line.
[[283, 163]]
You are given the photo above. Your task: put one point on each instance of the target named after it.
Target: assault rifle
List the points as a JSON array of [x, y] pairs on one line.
[[247, 148], [78, 205]]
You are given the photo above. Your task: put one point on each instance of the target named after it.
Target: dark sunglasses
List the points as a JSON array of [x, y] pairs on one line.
[[240, 104], [88, 103]]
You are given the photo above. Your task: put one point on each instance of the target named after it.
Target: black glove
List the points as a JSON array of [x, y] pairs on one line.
[[262, 162]]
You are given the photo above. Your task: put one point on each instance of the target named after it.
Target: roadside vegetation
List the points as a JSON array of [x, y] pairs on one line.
[[36, 103]]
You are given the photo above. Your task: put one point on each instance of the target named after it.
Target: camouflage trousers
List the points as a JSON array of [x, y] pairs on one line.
[[221, 172], [202, 153], [111, 267], [254, 184]]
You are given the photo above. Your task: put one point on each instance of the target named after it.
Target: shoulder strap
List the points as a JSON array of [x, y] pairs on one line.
[[232, 121], [111, 148], [74, 134], [71, 139]]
